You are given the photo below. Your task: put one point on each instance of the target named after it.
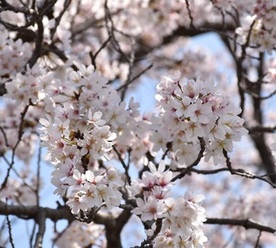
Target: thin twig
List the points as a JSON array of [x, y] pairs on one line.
[[38, 45], [186, 170], [256, 96], [59, 235], [32, 234], [9, 225], [38, 175], [258, 129], [58, 19], [126, 167], [5, 136], [130, 70], [110, 30], [258, 240], [239, 68], [242, 172], [134, 78], [20, 134], [94, 56], [148, 242], [190, 14]]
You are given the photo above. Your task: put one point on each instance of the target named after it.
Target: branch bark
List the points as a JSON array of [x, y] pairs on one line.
[[32, 212], [40, 214], [246, 223]]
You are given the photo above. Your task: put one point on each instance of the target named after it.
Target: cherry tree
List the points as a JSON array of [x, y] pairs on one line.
[[198, 170]]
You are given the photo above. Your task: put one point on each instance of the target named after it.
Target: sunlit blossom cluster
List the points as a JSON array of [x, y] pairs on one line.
[[71, 151], [89, 191], [194, 116], [81, 129], [77, 136], [182, 224]]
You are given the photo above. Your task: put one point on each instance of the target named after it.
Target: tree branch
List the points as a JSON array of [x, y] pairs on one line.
[[41, 221], [31, 212], [246, 223]]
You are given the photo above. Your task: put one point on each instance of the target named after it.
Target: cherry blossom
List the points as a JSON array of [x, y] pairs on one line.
[[200, 113], [68, 74]]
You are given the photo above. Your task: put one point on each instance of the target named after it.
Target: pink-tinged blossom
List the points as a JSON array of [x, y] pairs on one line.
[[156, 182], [182, 220], [186, 154], [163, 176], [113, 178], [87, 190], [19, 192], [76, 204], [149, 210], [201, 112], [182, 223], [95, 118], [91, 196]]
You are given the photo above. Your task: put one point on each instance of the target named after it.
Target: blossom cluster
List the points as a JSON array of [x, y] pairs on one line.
[[25, 88], [258, 28], [80, 235], [181, 218], [22, 86], [182, 224], [13, 55], [21, 192], [84, 115], [10, 121], [84, 118], [70, 148], [88, 190], [76, 136], [194, 116]]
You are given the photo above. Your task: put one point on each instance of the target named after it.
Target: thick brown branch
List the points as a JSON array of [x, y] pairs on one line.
[[114, 228], [261, 129], [41, 221], [183, 31], [267, 159], [246, 223], [31, 212]]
